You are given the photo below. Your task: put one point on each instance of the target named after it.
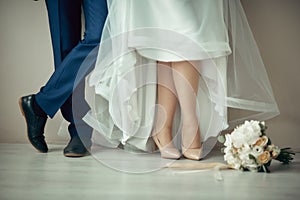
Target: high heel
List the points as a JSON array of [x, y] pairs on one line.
[[166, 152], [193, 154]]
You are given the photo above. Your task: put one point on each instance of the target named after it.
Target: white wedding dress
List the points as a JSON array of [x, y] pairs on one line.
[[121, 90]]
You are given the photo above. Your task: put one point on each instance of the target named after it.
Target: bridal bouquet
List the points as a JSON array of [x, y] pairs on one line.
[[248, 148]]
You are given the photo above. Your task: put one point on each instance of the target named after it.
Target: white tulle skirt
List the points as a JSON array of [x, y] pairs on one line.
[[121, 90]]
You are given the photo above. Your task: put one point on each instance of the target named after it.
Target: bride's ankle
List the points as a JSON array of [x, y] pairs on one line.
[[162, 131], [191, 137], [163, 135]]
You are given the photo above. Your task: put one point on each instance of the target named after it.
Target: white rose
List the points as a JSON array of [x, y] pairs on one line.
[[251, 131], [256, 127], [238, 138]]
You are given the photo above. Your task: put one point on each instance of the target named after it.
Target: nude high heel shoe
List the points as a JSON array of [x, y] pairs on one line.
[[167, 151], [191, 153]]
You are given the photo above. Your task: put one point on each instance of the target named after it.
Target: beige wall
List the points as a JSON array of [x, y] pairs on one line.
[[276, 28], [26, 63]]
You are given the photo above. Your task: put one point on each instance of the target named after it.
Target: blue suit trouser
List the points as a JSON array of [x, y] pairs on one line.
[[73, 58]]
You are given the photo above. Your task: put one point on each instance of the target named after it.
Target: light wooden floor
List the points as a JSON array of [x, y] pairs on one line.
[[26, 174]]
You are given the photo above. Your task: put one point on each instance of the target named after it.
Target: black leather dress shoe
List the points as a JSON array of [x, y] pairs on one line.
[[75, 148], [35, 124]]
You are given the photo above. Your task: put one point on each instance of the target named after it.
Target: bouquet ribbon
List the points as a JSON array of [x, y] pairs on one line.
[[199, 166]]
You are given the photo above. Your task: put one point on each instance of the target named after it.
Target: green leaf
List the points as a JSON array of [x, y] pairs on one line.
[[221, 139], [285, 156], [287, 148], [252, 157]]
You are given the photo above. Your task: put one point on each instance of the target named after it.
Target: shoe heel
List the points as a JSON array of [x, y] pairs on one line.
[[21, 107]]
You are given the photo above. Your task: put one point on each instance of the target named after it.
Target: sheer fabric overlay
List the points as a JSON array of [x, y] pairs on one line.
[[122, 89]]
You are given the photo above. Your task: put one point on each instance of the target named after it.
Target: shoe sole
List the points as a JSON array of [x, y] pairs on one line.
[[23, 113], [75, 155]]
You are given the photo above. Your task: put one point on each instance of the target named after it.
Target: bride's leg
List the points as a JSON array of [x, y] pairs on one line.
[[162, 133], [186, 79]]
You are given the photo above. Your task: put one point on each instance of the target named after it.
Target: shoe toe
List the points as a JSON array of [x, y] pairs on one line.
[[75, 148], [39, 144]]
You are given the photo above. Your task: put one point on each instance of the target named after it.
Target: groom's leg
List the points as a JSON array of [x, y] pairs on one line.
[[65, 26], [95, 12], [60, 85], [57, 92]]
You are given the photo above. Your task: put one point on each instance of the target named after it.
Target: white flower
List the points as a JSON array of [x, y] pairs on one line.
[[228, 140], [244, 152], [256, 127], [238, 139], [227, 150], [252, 131], [232, 161], [244, 141], [247, 133]]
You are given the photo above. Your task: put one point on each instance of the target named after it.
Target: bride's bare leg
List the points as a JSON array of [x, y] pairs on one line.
[[167, 101], [186, 79]]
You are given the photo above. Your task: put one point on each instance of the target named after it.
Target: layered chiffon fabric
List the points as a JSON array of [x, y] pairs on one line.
[[215, 35]]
